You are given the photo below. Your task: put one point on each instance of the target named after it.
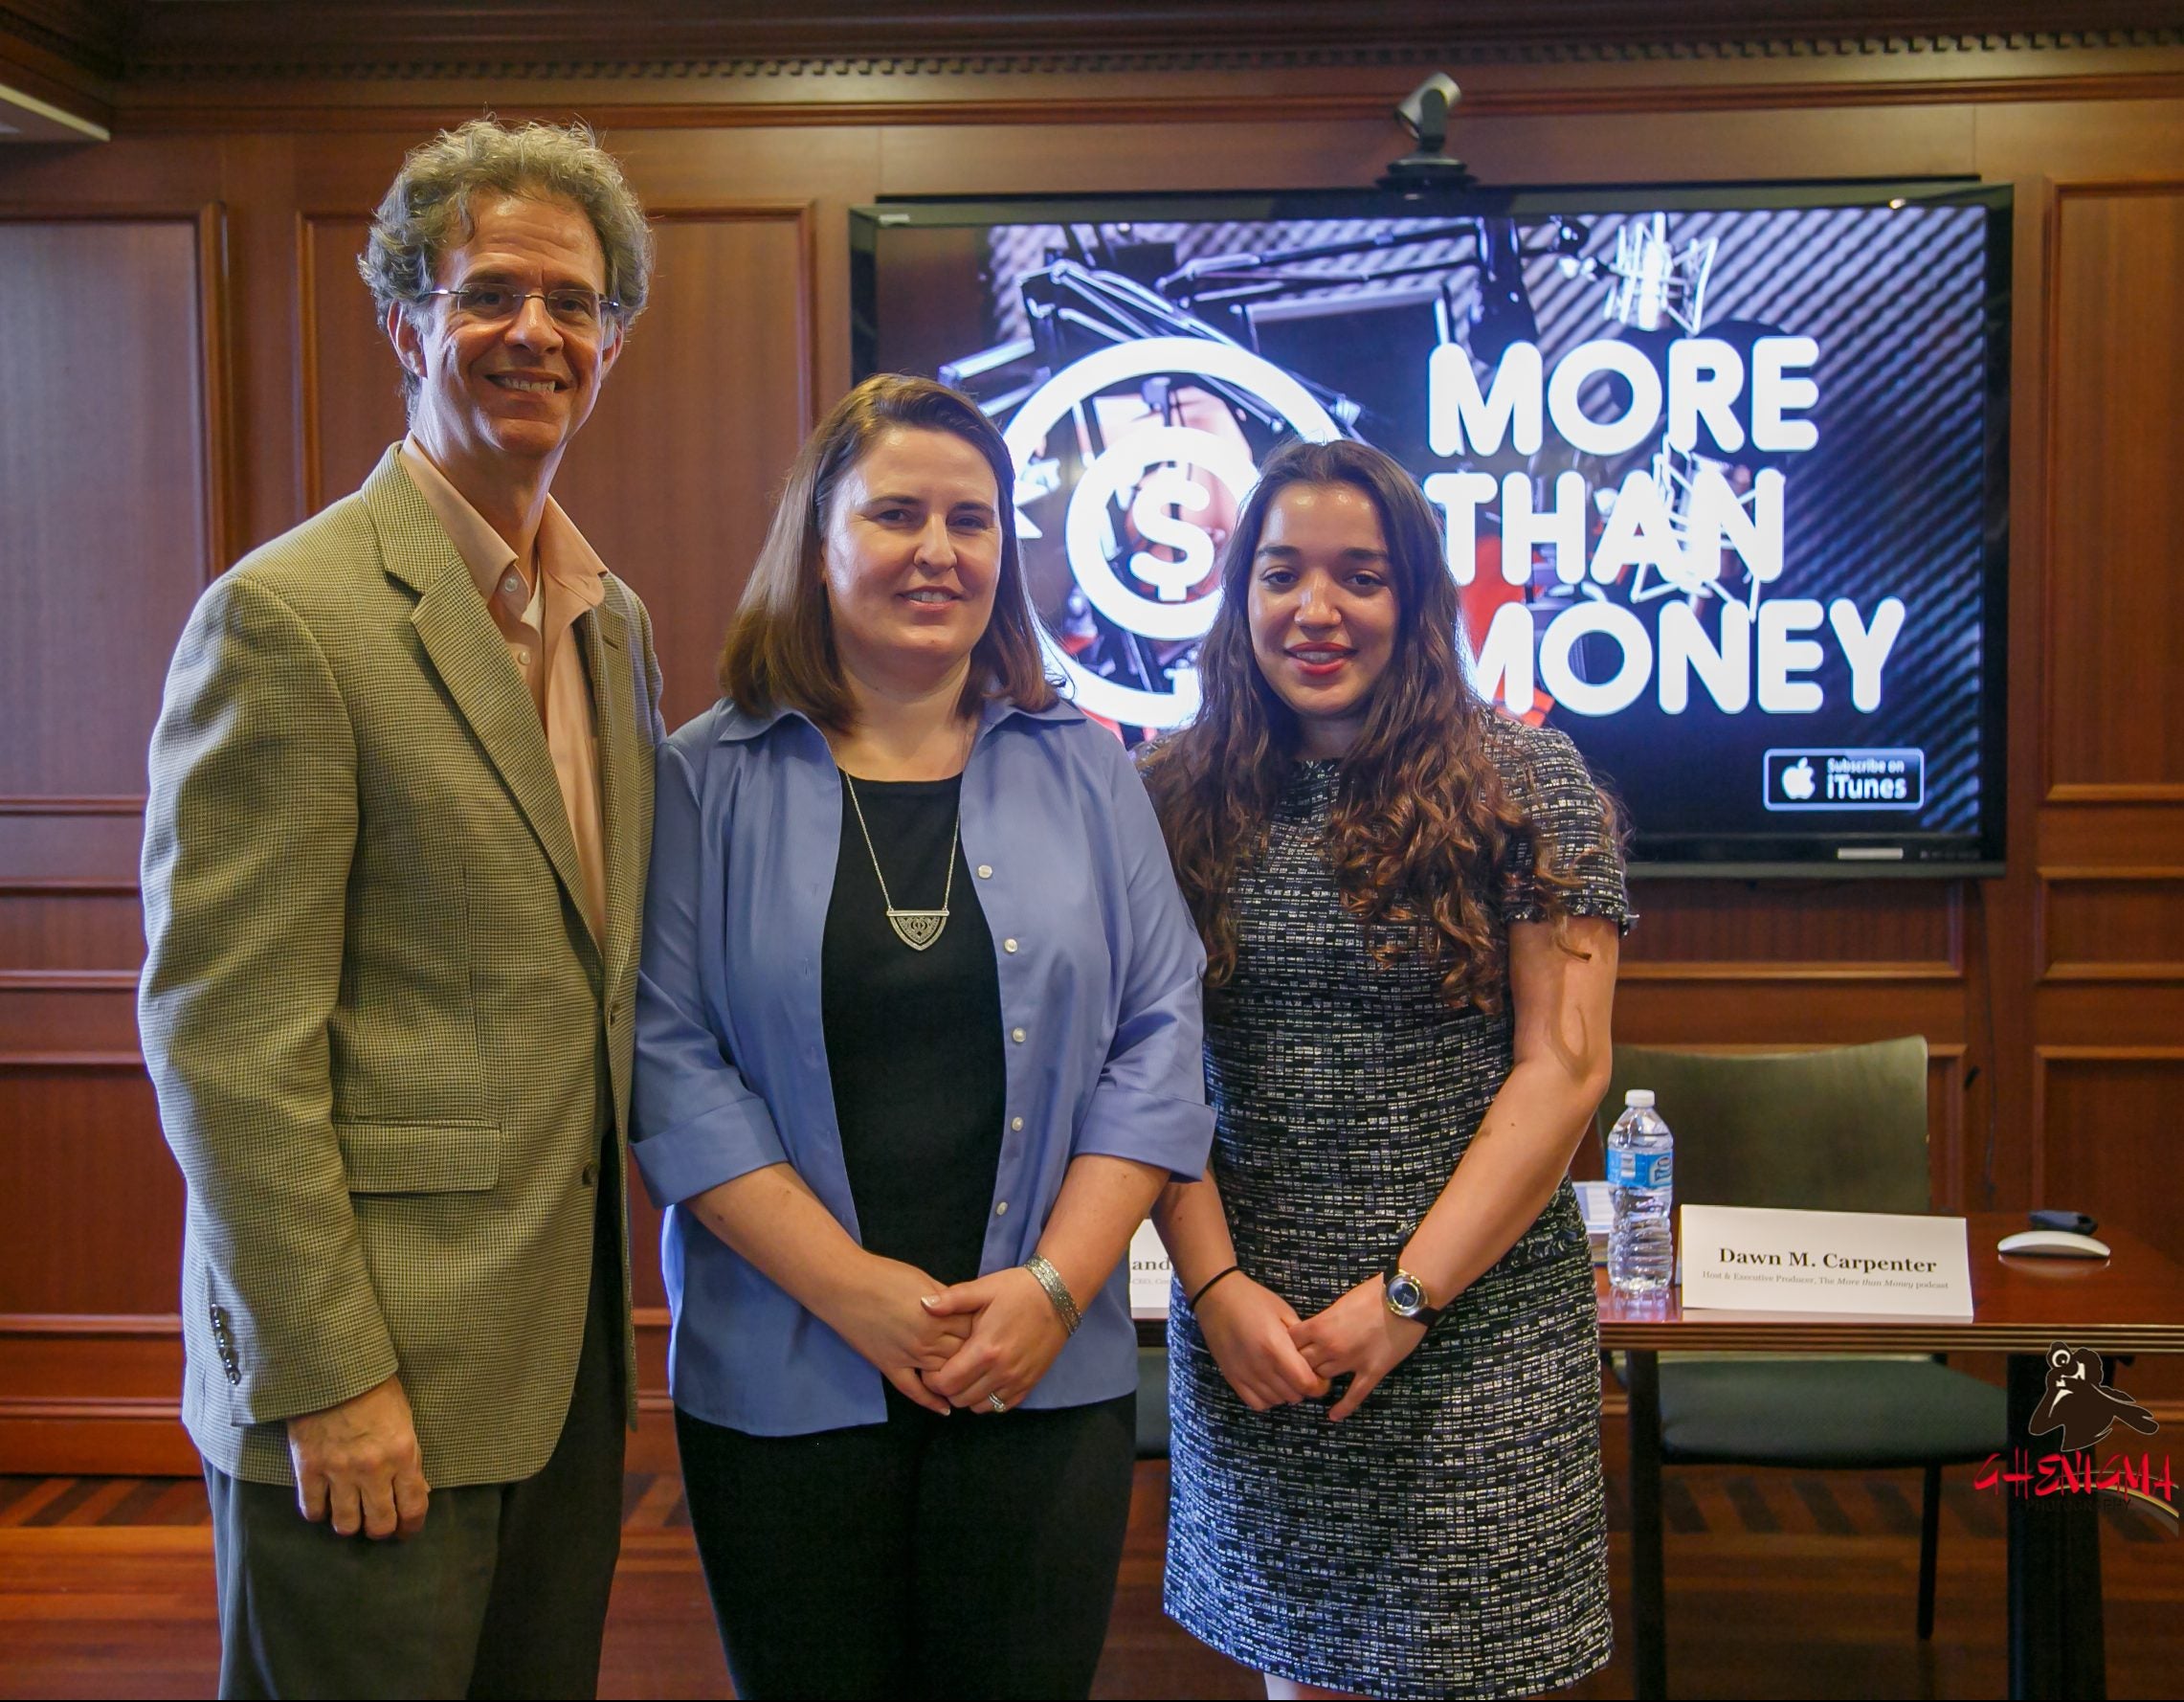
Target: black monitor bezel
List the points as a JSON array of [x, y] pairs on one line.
[[1981, 854]]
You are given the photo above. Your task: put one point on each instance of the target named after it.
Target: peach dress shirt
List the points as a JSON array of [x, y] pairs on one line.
[[535, 604]]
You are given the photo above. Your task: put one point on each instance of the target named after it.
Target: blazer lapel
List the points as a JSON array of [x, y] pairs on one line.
[[606, 663], [472, 660]]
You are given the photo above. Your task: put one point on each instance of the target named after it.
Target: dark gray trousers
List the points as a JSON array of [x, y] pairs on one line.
[[503, 1593]]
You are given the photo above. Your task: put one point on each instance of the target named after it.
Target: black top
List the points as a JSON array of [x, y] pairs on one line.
[[913, 1037]]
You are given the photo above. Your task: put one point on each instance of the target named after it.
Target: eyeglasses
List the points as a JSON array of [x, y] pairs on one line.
[[573, 309]]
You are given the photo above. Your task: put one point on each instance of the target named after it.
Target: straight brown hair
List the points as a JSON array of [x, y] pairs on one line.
[[780, 653]]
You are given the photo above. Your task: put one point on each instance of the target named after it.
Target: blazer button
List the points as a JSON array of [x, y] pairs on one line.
[[589, 1175]]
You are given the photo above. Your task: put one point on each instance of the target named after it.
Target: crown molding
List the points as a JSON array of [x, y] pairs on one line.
[[82, 35], [163, 40], [321, 110], [155, 66], [546, 66]]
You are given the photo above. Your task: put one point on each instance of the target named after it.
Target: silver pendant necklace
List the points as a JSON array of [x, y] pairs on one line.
[[915, 928]]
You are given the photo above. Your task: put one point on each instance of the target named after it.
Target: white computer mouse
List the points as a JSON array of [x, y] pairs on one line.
[[2053, 1243]]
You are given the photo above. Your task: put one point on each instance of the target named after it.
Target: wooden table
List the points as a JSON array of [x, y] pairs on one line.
[[2131, 1303]]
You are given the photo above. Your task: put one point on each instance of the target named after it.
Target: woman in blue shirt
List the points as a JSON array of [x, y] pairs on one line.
[[918, 1043]]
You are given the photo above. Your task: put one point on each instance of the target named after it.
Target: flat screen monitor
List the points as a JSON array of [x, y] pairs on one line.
[[1722, 471]]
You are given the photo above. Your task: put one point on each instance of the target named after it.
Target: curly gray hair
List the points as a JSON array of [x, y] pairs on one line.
[[426, 211]]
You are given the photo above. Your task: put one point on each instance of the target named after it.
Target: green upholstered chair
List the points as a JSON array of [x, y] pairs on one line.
[[1152, 1403], [1842, 1129]]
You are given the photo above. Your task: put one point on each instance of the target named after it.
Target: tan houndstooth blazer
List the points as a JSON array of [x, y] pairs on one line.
[[385, 1040]]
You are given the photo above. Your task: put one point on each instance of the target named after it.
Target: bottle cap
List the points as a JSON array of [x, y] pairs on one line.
[[1640, 1099]]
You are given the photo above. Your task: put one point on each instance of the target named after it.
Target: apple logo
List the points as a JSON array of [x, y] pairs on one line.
[[1797, 781]]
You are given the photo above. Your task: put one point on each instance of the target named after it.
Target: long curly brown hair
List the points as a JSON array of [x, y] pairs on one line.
[[1423, 819]]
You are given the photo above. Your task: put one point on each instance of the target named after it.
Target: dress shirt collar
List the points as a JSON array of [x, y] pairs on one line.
[[563, 554], [737, 724]]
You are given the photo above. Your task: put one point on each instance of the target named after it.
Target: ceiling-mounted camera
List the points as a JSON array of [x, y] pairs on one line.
[[1425, 112]]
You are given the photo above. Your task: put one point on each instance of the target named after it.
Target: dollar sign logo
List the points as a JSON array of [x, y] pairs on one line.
[[1167, 472], [1167, 489]]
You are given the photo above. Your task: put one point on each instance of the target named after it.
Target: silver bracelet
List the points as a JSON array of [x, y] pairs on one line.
[[1056, 1292]]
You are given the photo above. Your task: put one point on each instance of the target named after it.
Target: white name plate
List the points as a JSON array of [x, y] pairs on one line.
[[1149, 1273], [1748, 1260]]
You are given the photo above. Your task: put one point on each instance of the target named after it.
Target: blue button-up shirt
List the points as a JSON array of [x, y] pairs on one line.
[[1099, 970]]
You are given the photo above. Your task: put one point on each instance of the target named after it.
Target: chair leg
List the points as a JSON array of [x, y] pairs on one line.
[[1930, 1539]]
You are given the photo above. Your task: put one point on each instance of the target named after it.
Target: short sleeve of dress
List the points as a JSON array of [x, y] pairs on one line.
[[1548, 781]]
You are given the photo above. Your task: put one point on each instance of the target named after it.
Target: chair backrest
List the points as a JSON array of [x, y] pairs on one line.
[[1840, 1129]]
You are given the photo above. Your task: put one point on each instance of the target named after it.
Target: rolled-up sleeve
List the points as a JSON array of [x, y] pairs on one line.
[[696, 1123], [1150, 1104]]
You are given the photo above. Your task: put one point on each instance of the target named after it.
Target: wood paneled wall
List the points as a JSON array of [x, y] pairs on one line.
[[188, 364]]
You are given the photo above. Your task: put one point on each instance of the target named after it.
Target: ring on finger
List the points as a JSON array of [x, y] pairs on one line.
[[996, 1402]]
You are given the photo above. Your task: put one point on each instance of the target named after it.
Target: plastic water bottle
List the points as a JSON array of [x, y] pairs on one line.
[[1642, 1170]]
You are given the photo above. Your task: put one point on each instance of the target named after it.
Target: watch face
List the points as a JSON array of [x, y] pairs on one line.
[[1404, 1295]]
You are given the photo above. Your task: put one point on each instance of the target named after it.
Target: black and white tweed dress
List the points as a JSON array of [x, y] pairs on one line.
[[1450, 1536]]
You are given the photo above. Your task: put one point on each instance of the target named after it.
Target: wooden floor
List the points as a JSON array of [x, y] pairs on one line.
[[1779, 1585]]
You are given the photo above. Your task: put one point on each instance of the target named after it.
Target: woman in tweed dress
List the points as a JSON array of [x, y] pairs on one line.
[[1385, 1356]]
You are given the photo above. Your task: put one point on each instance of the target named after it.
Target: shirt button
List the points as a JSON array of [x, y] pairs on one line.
[[985, 871], [512, 585], [1015, 1122], [1002, 1210], [1008, 945], [1017, 1035]]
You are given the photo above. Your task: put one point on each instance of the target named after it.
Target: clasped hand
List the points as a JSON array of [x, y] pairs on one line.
[[1014, 1335], [1271, 1356], [947, 1346]]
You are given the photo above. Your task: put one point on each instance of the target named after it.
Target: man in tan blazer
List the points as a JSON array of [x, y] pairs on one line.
[[400, 805]]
